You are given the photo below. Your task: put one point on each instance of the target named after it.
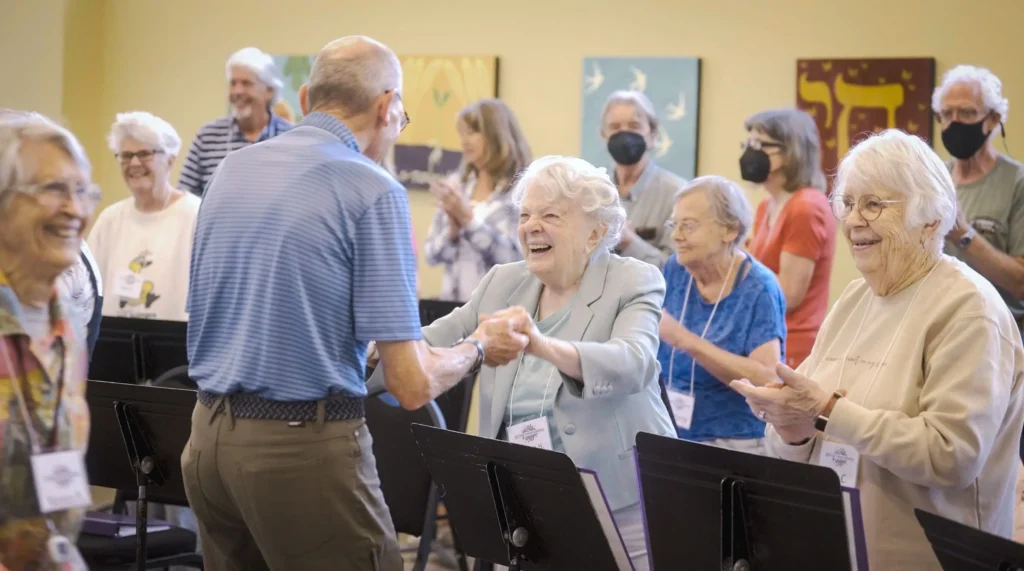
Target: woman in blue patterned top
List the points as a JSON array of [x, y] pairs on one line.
[[475, 225], [724, 317]]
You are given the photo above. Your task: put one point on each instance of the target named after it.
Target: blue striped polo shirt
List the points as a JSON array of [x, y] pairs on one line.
[[213, 142], [301, 257]]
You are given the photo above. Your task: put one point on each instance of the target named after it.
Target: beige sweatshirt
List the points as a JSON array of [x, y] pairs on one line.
[[934, 375]]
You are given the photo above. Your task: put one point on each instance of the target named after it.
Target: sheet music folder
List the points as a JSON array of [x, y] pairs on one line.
[[711, 508], [963, 548], [519, 506]]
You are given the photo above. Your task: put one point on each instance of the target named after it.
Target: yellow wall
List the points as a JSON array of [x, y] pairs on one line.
[[167, 57], [31, 55]]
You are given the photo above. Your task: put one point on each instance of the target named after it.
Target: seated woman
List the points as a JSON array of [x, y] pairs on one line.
[[588, 378], [474, 227], [915, 379], [143, 244], [724, 317], [46, 202]]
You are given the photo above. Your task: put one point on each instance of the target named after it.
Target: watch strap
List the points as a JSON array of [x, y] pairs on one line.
[[821, 421]]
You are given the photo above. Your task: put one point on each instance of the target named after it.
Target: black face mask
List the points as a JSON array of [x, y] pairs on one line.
[[755, 165], [963, 140], [627, 147]]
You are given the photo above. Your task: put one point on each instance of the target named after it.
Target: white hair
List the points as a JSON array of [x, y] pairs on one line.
[[17, 127], [728, 204], [260, 64], [903, 164], [638, 100], [145, 128], [988, 84], [351, 72], [588, 186]]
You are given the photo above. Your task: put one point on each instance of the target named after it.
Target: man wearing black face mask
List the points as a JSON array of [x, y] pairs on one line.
[[630, 128], [989, 233]]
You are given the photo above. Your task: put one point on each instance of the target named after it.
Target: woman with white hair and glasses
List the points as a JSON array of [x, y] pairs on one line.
[[254, 84], [143, 244], [794, 232], [587, 381], [46, 203], [724, 317], [912, 393]]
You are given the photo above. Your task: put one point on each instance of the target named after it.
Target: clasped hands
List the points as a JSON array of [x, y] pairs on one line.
[[507, 334]]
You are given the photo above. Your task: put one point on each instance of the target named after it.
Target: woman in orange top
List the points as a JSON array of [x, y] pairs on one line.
[[794, 230]]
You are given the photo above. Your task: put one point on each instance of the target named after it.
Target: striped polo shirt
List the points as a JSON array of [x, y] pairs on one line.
[[213, 142], [301, 257]]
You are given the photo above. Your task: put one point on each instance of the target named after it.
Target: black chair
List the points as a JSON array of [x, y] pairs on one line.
[[404, 480], [176, 378], [132, 350]]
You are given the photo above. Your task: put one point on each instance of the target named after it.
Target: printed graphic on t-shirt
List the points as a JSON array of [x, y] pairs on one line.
[[147, 295]]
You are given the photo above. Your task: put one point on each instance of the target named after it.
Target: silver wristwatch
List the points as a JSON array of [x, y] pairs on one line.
[[967, 238], [479, 352]]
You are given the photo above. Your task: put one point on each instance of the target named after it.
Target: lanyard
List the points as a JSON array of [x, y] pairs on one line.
[[20, 384], [842, 366], [682, 314]]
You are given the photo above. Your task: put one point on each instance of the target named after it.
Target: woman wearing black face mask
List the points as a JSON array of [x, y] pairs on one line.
[[630, 128], [794, 230]]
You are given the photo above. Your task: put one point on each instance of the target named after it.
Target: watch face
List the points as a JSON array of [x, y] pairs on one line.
[[820, 423]]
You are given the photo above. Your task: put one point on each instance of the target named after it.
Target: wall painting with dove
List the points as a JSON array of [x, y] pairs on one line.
[[434, 90], [853, 98], [673, 86]]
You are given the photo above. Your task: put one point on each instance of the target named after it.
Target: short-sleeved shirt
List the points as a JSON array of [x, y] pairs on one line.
[[752, 314], [805, 227], [213, 142], [994, 206], [648, 206], [301, 257]]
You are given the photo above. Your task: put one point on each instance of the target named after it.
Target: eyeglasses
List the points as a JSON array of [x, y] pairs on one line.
[[869, 206], [126, 156], [687, 227], [405, 114], [58, 193], [758, 144], [962, 114]]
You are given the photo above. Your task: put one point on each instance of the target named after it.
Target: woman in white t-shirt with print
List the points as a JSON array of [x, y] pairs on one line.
[[143, 244]]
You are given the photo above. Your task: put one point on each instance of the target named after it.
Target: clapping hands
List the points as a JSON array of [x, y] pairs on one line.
[[450, 199]]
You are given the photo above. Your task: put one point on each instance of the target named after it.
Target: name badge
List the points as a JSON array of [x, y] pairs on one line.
[[61, 482], [843, 459], [534, 433], [128, 284], [682, 408]]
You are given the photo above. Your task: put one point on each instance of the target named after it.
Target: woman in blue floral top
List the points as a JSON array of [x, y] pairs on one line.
[[724, 317], [475, 225]]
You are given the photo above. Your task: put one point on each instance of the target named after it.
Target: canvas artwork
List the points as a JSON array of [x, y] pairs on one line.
[[434, 89], [673, 86], [852, 98]]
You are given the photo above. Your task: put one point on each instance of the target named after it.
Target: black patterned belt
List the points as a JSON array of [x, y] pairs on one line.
[[254, 407]]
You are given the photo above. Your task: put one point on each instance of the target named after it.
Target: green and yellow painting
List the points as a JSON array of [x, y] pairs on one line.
[[434, 89]]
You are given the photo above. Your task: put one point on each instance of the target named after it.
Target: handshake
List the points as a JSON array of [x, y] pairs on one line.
[[507, 334]]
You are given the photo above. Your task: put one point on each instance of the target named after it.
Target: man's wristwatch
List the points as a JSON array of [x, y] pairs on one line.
[[821, 422], [479, 352], [967, 238]]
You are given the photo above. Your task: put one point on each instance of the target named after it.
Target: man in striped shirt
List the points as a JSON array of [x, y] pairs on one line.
[[254, 86], [301, 257]]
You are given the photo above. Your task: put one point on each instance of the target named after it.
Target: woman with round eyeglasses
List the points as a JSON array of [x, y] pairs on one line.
[[794, 233], [46, 203], [914, 390], [723, 318], [143, 244]]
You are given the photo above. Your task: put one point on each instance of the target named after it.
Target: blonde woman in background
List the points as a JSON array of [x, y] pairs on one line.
[[475, 225]]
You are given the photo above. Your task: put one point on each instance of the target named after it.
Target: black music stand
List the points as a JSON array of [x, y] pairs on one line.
[[514, 505], [775, 515], [149, 425], [960, 547], [132, 350]]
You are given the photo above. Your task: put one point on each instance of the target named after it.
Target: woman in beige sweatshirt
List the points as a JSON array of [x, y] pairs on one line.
[[915, 380]]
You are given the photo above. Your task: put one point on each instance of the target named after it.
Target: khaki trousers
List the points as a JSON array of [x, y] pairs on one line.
[[272, 496]]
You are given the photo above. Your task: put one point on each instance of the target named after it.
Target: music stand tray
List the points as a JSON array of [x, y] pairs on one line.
[[136, 439], [773, 515], [961, 547], [518, 506]]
